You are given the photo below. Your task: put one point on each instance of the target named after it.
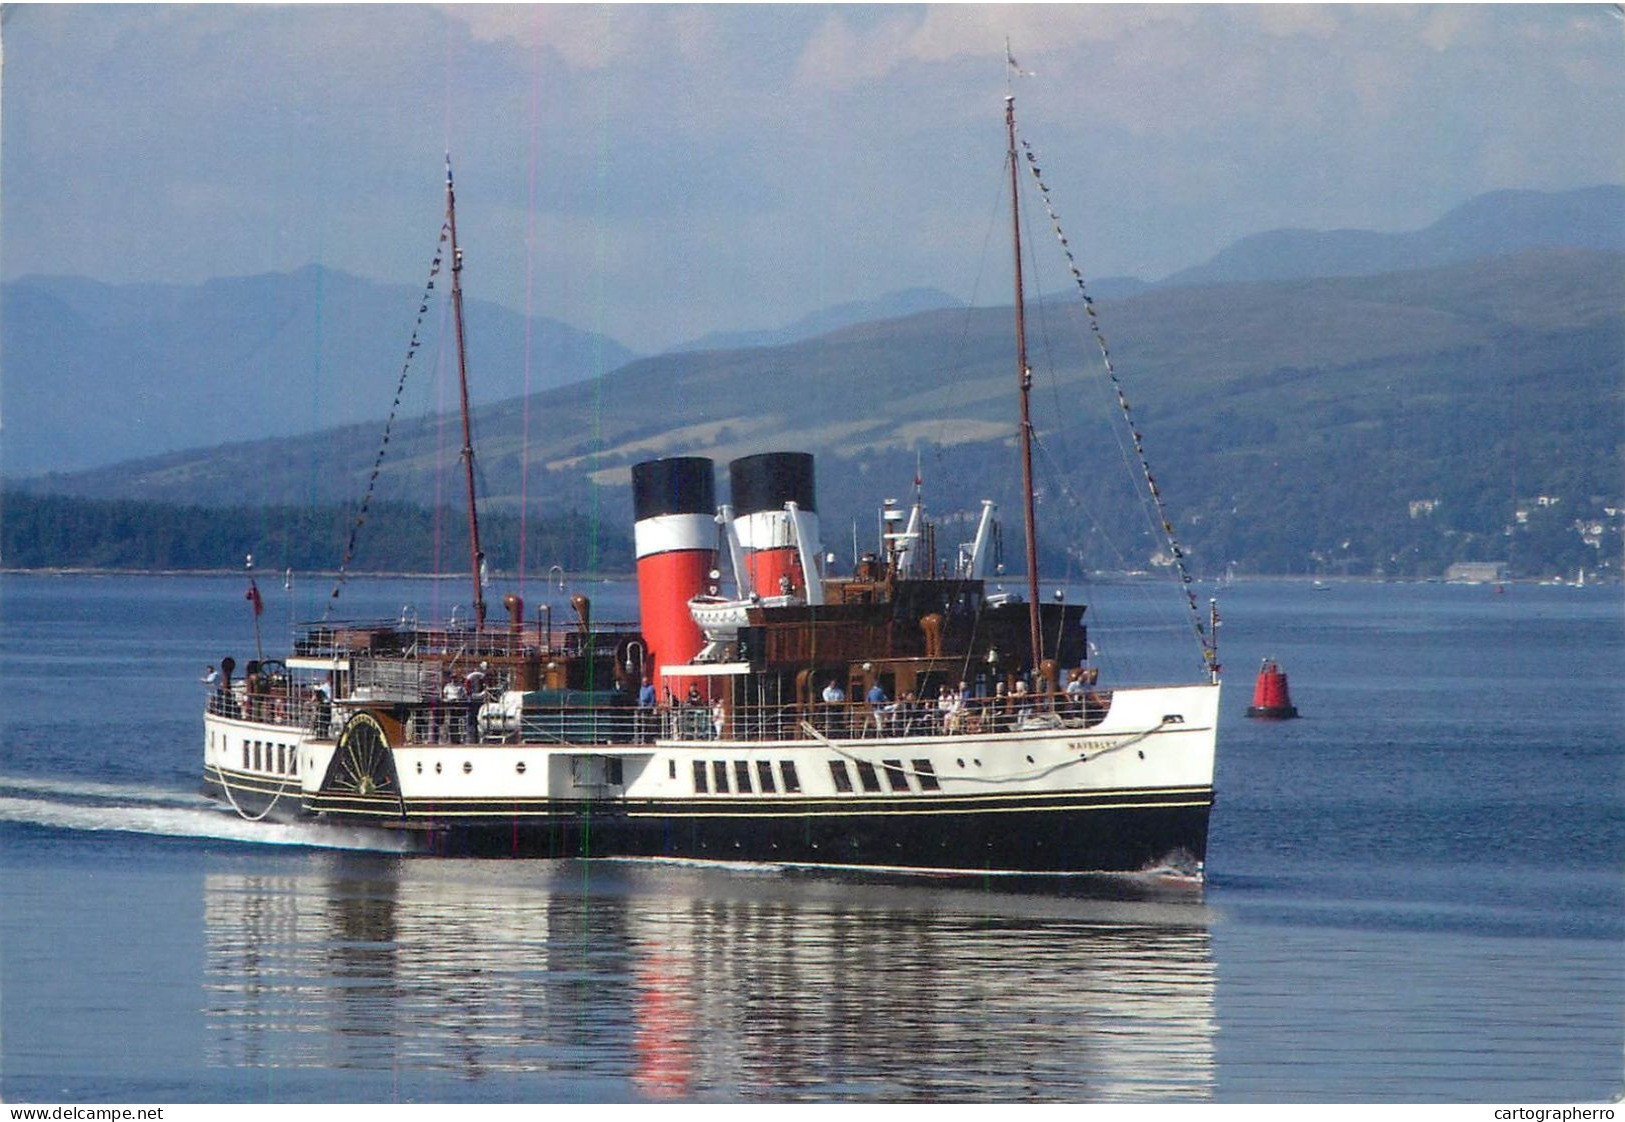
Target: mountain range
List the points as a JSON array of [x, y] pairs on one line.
[[1490, 225], [1295, 423], [1287, 420], [96, 374]]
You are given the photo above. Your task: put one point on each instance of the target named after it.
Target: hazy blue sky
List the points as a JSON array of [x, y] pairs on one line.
[[660, 172]]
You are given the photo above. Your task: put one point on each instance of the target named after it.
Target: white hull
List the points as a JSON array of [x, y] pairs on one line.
[[1150, 761]]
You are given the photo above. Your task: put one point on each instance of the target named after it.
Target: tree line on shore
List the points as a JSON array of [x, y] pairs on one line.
[[57, 532]]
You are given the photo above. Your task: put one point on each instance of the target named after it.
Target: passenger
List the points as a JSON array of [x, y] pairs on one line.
[[948, 709], [1074, 692], [455, 694], [211, 679], [1022, 701], [646, 711], [474, 687], [907, 713], [835, 701], [878, 706], [324, 708]]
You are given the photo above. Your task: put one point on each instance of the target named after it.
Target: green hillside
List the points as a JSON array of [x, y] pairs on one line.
[[1293, 426]]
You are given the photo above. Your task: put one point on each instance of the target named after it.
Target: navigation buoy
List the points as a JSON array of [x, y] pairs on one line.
[[1271, 699]]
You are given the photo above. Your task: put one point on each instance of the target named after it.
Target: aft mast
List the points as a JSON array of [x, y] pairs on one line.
[[476, 556], [1024, 377]]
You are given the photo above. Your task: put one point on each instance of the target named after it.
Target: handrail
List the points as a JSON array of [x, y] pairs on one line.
[[427, 719], [387, 639]]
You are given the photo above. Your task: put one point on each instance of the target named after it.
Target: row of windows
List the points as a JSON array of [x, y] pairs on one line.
[[740, 778], [283, 759], [715, 775], [896, 775]]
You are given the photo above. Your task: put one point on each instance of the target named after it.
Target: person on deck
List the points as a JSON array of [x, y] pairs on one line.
[[646, 711], [835, 701], [474, 684], [877, 699], [455, 695]]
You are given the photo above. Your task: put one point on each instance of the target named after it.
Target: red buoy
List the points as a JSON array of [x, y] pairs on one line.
[[1271, 699]]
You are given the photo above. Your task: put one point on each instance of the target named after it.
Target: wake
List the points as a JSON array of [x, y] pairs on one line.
[[135, 809]]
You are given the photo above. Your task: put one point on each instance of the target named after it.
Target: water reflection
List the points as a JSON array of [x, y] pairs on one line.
[[678, 982]]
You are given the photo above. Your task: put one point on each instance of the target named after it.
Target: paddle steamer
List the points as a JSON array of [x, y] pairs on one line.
[[909, 715]]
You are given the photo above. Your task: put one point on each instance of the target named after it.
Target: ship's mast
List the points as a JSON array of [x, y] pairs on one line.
[[476, 556], [1024, 377]]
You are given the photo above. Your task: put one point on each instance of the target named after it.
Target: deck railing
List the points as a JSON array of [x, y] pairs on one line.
[[438, 722]]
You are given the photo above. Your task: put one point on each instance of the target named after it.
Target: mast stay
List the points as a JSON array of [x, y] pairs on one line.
[[1206, 632]]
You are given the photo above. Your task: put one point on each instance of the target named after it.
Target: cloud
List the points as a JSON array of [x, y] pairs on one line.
[[671, 169]]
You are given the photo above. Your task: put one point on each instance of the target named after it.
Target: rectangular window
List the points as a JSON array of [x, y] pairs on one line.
[[281, 759], [245, 755], [764, 777], [612, 770], [671, 769], [742, 776], [700, 785], [792, 782], [842, 777], [719, 776], [867, 776], [259, 756], [896, 777], [927, 775]]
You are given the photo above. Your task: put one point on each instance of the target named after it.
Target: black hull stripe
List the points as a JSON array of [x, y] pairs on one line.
[[1054, 837], [508, 809]]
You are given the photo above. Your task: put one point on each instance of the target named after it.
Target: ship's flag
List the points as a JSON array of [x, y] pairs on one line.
[[253, 597]]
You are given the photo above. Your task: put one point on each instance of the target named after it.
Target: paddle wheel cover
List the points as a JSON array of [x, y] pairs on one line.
[[363, 764]]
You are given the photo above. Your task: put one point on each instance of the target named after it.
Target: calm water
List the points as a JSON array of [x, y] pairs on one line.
[[1415, 894]]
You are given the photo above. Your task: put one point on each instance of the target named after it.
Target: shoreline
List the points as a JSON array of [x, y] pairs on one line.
[[1124, 577]]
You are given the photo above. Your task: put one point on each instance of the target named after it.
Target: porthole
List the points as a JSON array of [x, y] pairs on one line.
[[520, 767], [960, 762], [467, 767], [1029, 759], [420, 767], [437, 767]]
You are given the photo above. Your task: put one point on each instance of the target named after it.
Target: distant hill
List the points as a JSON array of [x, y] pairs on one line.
[[97, 373], [94, 374], [890, 306], [1491, 225], [1294, 426]]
